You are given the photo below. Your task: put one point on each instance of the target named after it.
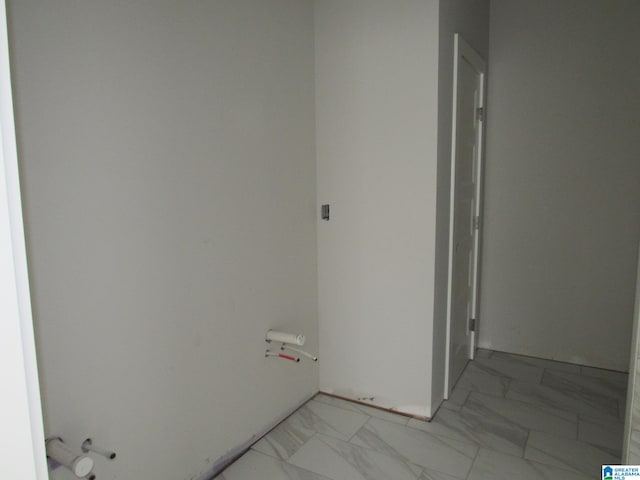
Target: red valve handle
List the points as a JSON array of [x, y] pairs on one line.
[[289, 357]]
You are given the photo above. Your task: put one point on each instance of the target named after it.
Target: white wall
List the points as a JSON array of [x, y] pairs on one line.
[[562, 191], [376, 123], [471, 20], [167, 153]]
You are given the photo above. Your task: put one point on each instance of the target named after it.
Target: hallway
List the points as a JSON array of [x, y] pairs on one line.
[[510, 416]]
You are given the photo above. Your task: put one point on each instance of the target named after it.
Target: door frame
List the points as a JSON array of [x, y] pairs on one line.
[[21, 414], [463, 51], [632, 394]]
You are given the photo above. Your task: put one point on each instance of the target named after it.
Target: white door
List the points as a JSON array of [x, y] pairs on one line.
[[469, 79]]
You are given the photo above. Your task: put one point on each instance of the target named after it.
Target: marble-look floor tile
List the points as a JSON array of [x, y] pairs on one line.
[[478, 378], [490, 465], [256, 466], [634, 448], [511, 369], [581, 403], [433, 475], [284, 440], [364, 409], [602, 433], [338, 460], [437, 453], [613, 376], [478, 434], [456, 399], [635, 402], [313, 417], [569, 454], [483, 353], [330, 420], [596, 386], [538, 362], [478, 426], [622, 409], [546, 419]]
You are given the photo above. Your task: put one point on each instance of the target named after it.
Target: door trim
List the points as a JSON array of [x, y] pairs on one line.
[[22, 410], [632, 394], [462, 50]]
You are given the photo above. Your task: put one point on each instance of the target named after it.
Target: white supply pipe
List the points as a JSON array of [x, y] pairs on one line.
[[282, 355], [301, 352], [283, 337], [79, 464], [87, 446]]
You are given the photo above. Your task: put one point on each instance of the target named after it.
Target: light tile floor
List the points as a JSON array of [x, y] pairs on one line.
[[509, 417]]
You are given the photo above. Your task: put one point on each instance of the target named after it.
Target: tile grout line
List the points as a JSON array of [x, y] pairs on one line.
[[298, 449], [526, 444], [358, 430], [397, 457], [292, 465], [353, 445], [473, 462], [466, 399], [506, 390], [544, 409], [422, 471]]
